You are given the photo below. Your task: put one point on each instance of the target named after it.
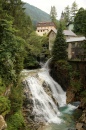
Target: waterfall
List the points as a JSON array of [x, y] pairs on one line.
[[46, 94]]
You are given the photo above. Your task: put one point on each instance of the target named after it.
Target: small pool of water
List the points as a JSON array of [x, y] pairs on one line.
[[69, 116]]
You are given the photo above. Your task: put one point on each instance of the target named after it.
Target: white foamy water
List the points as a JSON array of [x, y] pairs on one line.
[[45, 108], [57, 91]]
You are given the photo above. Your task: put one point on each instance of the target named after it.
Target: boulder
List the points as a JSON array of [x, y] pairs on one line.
[[3, 124]]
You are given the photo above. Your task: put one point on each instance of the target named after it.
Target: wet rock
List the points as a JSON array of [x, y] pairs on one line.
[[55, 101], [79, 126], [3, 124], [83, 118], [47, 88], [70, 95]]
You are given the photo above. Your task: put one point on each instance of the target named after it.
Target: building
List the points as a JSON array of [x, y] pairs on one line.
[[44, 28], [52, 35], [75, 48], [75, 43]]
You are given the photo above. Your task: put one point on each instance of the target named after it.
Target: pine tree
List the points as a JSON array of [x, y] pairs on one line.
[[53, 13], [67, 14], [74, 10], [59, 47]]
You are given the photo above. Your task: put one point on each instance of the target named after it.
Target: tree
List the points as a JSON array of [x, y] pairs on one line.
[[67, 14], [59, 47], [80, 22], [14, 9], [63, 20], [11, 50], [53, 13], [34, 48], [74, 10]]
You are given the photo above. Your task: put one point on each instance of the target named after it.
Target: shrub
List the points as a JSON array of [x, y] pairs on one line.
[[2, 86], [16, 121], [4, 105]]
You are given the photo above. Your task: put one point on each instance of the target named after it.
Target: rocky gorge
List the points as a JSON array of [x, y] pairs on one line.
[[60, 72]]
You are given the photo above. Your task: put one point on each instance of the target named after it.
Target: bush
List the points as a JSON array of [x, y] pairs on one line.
[[4, 105], [2, 87], [76, 85], [16, 121], [16, 98]]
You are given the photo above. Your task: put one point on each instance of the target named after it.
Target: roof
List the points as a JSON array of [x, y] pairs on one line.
[[65, 32], [75, 39], [45, 24], [54, 30], [69, 33]]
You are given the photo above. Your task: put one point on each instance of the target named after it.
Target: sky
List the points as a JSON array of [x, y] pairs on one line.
[[45, 5]]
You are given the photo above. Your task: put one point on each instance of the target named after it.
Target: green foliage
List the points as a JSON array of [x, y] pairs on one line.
[[64, 64], [11, 49], [16, 121], [64, 70], [16, 98], [67, 14], [2, 86], [36, 45], [74, 10], [4, 105], [15, 26], [83, 93], [53, 13], [75, 81], [75, 74], [80, 22], [59, 47], [76, 85]]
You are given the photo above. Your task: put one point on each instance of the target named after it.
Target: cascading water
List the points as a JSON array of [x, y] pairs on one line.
[[47, 95]]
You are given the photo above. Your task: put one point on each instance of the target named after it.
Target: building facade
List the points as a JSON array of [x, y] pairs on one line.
[[52, 35], [44, 28]]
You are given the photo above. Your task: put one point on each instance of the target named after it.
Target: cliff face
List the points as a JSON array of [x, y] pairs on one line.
[[74, 85]]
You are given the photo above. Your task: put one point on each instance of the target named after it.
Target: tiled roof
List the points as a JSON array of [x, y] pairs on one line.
[[69, 33], [75, 39], [65, 32], [45, 24]]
